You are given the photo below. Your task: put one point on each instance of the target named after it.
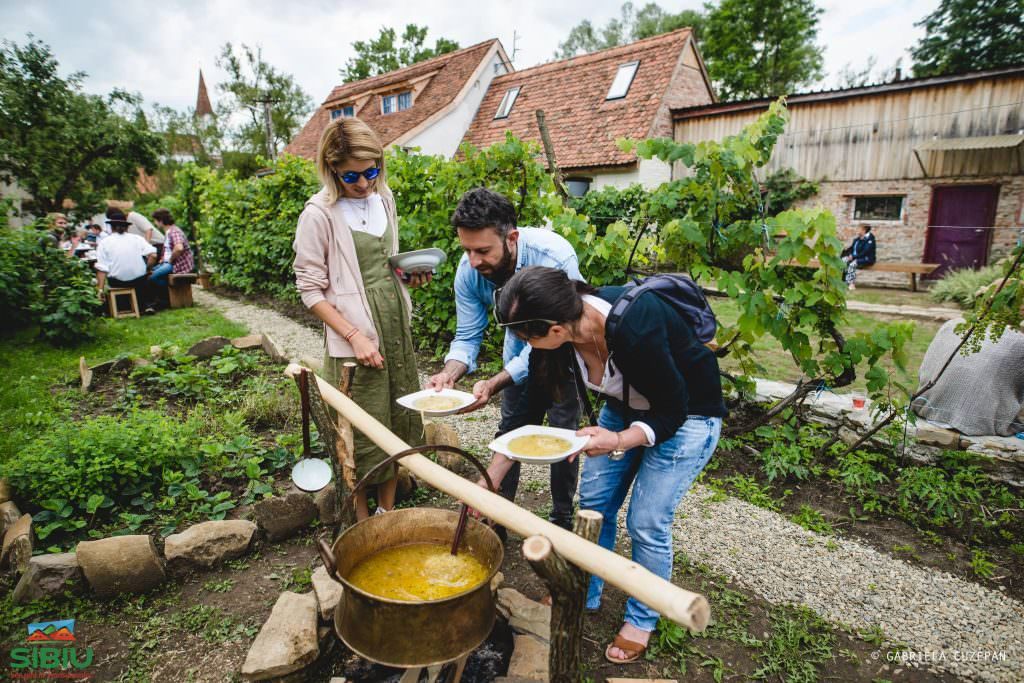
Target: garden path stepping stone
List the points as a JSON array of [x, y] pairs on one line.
[[284, 516], [5, 492], [272, 350], [288, 640], [120, 564], [210, 543], [208, 348], [525, 615], [48, 575], [17, 548], [252, 341], [327, 591], [529, 659]]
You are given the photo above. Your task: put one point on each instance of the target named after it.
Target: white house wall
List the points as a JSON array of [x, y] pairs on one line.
[[651, 173], [444, 136]]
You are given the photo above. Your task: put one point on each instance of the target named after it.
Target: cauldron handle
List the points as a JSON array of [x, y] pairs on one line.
[[327, 555], [419, 449]]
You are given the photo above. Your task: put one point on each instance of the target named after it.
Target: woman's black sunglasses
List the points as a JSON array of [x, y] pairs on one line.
[[349, 177], [496, 296]]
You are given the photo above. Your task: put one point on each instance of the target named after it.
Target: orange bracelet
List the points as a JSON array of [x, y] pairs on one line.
[[353, 332]]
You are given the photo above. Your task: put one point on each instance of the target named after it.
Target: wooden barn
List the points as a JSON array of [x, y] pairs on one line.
[[934, 165]]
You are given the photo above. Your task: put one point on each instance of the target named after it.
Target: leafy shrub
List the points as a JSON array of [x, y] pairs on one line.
[[961, 286], [79, 470], [40, 285], [612, 205]]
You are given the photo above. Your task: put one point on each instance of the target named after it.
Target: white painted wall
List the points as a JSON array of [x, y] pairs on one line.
[[444, 136], [650, 174]]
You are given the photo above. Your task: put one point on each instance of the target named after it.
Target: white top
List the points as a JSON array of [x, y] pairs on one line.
[[365, 215], [611, 383], [140, 224], [123, 256]]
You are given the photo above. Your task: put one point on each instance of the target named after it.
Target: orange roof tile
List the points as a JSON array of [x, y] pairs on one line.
[[583, 124], [450, 72]]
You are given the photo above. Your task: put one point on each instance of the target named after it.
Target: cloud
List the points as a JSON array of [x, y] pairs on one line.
[[157, 48]]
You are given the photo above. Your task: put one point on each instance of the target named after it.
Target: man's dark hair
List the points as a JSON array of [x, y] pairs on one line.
[[867, 228], [482, 208], [164, 216]]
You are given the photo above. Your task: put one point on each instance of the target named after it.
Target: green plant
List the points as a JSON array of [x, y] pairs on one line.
[[981, 565], [799, 642], [962, 285], [812, 520], [746, 488], [222, 586]]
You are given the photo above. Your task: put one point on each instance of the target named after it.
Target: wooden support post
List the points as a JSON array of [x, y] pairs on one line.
[[568, 586], [549, 152]]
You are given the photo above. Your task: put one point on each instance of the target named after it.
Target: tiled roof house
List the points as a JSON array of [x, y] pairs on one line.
[[427, 105], [591, 101]]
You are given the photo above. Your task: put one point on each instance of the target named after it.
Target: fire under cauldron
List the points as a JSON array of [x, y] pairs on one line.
[[408, 634]]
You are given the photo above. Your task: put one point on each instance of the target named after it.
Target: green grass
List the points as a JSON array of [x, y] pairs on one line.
[[779, 365], [895, 297], [31, 368]]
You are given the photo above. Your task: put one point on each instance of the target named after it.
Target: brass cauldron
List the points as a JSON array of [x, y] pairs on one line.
[[407, 634]]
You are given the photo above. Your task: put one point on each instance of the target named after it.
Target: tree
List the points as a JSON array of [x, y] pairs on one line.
[[969, 35], [188, 134], [762, 48], [382, 54], [251, 80], [631, 26], [59, 143]]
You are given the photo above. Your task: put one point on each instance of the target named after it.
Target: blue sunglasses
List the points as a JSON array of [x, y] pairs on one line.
[[349, 177]]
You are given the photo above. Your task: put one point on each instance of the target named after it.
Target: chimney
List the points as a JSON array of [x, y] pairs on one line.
[[897, 75]]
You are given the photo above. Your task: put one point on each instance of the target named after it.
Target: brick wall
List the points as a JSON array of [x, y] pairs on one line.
[[686, 89], [904, 240]]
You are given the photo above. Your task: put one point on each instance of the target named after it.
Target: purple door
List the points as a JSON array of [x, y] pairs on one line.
[[959, 226]]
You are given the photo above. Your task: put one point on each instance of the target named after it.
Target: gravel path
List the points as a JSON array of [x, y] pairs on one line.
[[944, 622]]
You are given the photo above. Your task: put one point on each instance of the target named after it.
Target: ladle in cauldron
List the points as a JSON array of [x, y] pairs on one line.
[[435, 631]]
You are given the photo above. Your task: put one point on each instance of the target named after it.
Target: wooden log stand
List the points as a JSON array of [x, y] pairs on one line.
[[677, 604], [179, 289], [568, 586]]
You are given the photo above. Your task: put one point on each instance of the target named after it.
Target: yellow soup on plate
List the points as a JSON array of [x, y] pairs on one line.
[[437, 403], [538, 446], [416, 572]]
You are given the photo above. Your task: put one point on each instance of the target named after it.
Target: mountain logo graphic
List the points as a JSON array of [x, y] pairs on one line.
[[51, 631]]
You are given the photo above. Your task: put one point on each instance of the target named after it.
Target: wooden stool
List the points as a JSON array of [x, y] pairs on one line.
[[117, 313], [179, 289]]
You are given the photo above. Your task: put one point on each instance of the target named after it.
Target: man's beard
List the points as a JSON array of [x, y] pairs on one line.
[[501, 273]]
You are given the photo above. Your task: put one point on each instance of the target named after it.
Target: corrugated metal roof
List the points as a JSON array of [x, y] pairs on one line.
[[963, 144]]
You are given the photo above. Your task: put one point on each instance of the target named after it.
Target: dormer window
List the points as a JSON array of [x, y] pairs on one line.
[[505, 108], [389, 104], [347, 112], [623, 79]]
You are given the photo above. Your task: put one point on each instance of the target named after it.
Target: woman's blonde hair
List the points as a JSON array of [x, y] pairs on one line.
[[348, 138]]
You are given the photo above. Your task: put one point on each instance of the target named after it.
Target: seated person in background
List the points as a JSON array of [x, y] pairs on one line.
[[95, 234], [978, 394], [177, 256], [122, 259], [859, 254], [140, 225]]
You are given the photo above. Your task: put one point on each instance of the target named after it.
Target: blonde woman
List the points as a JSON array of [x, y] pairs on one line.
[[344, 237]]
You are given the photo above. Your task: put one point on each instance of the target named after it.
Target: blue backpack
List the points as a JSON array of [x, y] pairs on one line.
[[675, 289]]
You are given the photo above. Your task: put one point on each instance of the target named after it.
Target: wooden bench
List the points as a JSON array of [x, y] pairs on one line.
[[179, 289], [912, 269]]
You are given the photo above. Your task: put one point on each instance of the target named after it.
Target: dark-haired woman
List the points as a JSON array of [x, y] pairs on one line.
[[859, 254], [657, 444]]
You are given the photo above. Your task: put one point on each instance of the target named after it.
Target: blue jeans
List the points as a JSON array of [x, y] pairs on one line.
[[660, 475], [160, 273]]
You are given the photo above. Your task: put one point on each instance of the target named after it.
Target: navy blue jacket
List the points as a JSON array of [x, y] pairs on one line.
[[658, 354], [863, 250]]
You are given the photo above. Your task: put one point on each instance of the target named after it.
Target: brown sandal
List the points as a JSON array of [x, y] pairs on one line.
[[633, 650]]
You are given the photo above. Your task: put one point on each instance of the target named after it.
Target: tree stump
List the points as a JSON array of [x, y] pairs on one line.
[[568, 586]]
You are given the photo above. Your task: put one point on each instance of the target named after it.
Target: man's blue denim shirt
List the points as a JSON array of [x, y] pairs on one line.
[[474, 296]]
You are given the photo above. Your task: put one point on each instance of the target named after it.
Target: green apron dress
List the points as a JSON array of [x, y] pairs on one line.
[[376, 390]]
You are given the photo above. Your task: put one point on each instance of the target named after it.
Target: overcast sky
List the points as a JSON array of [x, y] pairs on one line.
[[157, 48]]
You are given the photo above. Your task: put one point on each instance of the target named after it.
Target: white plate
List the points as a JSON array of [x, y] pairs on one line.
[[576, 443], [409, 401], [418, 261], [311, 474]]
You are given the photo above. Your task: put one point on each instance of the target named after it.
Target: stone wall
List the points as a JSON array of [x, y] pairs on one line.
[[904, 240]]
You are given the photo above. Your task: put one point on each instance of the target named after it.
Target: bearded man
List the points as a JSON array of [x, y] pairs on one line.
[[495, 249]]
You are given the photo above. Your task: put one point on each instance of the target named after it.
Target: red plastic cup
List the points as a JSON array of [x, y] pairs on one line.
[[858, 402]]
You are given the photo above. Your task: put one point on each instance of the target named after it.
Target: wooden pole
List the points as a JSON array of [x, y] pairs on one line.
[[568, 586], [681, 606], [549, 152]]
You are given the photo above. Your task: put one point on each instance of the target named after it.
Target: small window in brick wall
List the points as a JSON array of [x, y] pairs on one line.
[[885, 208]]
